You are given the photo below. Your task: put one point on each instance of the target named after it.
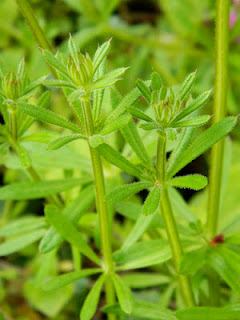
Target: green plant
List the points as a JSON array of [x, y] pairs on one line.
[[149, 145]]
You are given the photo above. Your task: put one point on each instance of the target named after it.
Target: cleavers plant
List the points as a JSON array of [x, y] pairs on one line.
[[166, 235]]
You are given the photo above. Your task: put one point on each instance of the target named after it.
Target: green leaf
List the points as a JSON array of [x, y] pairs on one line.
[[132, 136], [37, 190], [193, 106], [127, 101], [209, 313], [193, 261], [150, 126], [58, 84], [125, 191], [22, 225], [100, 54], [140, 280], [187, 85], [191, 181], [137, 113], [39, 136], [183, 142], [124, 294], [74, 211], [141, 309], [66, 229], [98, 94], [90, 304], [73, 50], [156, 83], [18, 243], [55, 63], [117, 124], [75, 95], [141, 225], [115, 158], [194, 122], [63, 280], [108, 79], [142, 87], [204, 141], [23, 155], [143, 254], [227, 264], [47, 116], [62, 141], [152, 202]]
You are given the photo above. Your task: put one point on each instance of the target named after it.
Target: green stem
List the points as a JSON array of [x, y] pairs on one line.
[[220, 109], [101, 204], [170, 223]]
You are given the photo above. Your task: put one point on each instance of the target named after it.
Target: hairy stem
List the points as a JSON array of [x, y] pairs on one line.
[[101, 204], [170, 223], [219, 111]]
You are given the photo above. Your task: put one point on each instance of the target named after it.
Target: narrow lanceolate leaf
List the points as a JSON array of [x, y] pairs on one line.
[[100, 54], [59, 84], [117, 159], [108, 79], [74, 212], [193, 261], [141, 225], [143, 254], [63, 280], [227, 264], [37, 190], [150, 126], [67, 230], [132, 136], [96, 140], [192, 181], [193, 106], [142, 87], [137, 281], [62, 141], [47, 116], [126, 191], [187, 85], [144, 310], [194, 122], [23, 155], [98, 94], [139, 114], [44, 100], [152, 202], [18, 243], [91, 302], [124, 294], [183, 142], [230, 312], [56, 63], [204, 141], [22, 225], [127, 101], [117, 124], [156, 81], [73, 50]]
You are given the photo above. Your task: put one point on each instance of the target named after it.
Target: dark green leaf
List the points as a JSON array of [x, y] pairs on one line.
[[142, 87], [124, 294], [193, 261], [152, 202]]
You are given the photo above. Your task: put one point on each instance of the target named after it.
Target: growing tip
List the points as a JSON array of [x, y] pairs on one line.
[[110, 40]]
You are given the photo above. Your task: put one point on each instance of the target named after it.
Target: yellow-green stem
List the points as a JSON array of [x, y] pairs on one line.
[[101, 204], [170, 223], [217, 154]]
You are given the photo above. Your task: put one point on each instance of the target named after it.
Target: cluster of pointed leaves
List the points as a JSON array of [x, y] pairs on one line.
[[169, 105], [81, 79], [168, 115], [16, 89]]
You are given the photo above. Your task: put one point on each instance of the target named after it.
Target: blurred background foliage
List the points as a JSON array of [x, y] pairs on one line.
[[171, 36]]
